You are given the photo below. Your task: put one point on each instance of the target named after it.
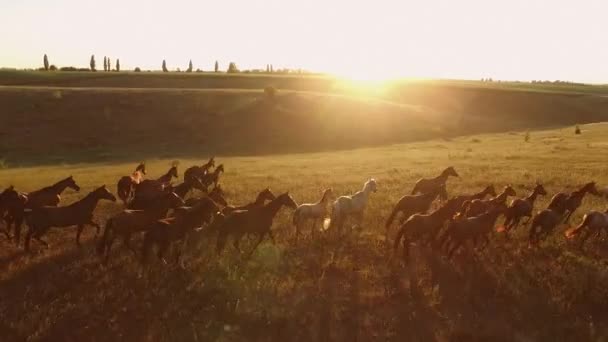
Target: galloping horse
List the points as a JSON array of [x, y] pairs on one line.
[[79, 213], [198, 172], [425, 185], [183, 189], [151, 189], [11, 202], [311, 211], [545, 221], [568, 203], [126, 184], [487, 191], [409, 205], [594, 221], [256, 221], [216, 194], [129, 222], [354, 205], [213, 177], [520, 208], [477, 207]]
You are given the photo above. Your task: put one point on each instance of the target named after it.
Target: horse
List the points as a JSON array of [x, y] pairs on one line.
[[425, 185], [80, 213], [487, 191], [256, 221], [126, 184], [150, 188], [213, 177], [216, 194], [479, 206], [198, 172], [163, 233], [420, 225], [353, 205], [594, 221], [128, 222], [183, 189], [568, 203], [522, 207], [545, 221], [11, 201], [409, 205], [260, 200], [472, 228], [47, 196], [311, 211]]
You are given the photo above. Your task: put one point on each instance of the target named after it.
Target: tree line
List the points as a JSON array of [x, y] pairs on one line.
[[109, 67]]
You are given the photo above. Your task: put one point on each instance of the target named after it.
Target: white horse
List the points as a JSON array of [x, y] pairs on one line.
[[354, 205], [311, 211]]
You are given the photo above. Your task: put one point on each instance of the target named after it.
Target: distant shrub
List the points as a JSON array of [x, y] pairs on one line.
[[475, 140], [71, 68], [53, 67], [137, 69], [199, 70], [527, 137], [232, 68], [270, 92], [577, 130]]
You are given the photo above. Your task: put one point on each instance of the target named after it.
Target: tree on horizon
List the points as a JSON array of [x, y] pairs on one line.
[[117, 64], [189, 67], [217, 66], [46, 62], [92, 63], [165, 66]]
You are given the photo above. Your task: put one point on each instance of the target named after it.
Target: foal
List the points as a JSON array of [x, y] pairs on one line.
[[425, 185], [79, 213], [311, 211], [256, 221], [409, 205], [126, 184], [520, 208]]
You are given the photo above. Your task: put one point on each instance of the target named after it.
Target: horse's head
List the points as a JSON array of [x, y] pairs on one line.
[[217, 194], [9, 196], [489, 190], [327, 194], [539, 189], [590, 188], [211, 162], [287, 200], [219, 169], [267, 195], [173, 171], [509, 191], [172, 200], [141, 168], [103, 193], [71, 183], [450, 171], [371, 185]]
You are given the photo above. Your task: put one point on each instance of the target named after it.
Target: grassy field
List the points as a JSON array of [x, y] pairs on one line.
[[327, 289]]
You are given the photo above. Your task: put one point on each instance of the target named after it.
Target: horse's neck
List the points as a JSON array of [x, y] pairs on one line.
[[273, 207], [443, 177], [501, 198], [259, 200], [479, 195], [165, 178], [532, 197], [323, 199], [88, 203], [59, 187]]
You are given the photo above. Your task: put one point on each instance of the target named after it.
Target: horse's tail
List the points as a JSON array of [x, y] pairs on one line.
[[572, 232], [101, 245], [391, 217]]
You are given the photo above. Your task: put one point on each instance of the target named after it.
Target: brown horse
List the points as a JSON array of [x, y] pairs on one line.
[[477, 207], [545, 221], [163, 233], [487, 191], [409, 205], [151, 188], [260, 200], [198, 172], [522, 207], [183, 189], [593, 222], [256, 221], [568, 203], [129, 222], [472, 228], [216, 194], [419, 226], [79, 213], [426, 185], [126, 184], [213, 177], [11, 202]]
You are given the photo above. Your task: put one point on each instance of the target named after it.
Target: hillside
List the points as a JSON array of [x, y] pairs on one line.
[[330, 289], [66, 125]]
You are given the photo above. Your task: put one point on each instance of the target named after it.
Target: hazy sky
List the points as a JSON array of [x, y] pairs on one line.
[[510, 39]]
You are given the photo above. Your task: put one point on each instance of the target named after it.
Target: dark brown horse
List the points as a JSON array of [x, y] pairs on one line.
[[487, 191], [164, 232], [522, 207], [151, 188], [11, 202], [426, 185], [545, 221], [129, 222], [198, 172], [183, 189], [409, 205], [256, 221], [472, 228], [568, 203], [79, 214], [424, 226], [216, 194], [126, 184], [213, 177], [477, 207], [260, 200]]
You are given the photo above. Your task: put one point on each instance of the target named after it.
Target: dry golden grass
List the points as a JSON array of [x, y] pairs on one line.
[[328, 289]]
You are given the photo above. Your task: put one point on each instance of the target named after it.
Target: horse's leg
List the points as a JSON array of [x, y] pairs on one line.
[[313, 229], [127, 243], [97, 227], [260, 239], [456, 246], [406, 250], [38, 236], [78, 232], [17, 224], [220, 243], [271, 236], [568, 216], [28, 237], [584, 238]]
